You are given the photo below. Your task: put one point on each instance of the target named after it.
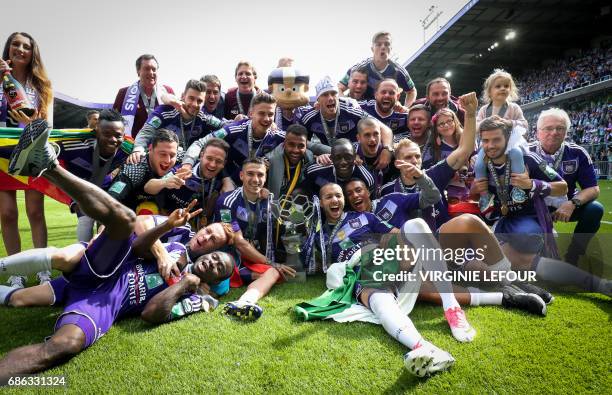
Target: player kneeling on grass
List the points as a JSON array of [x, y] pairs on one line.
[[110, 265], [352, 280]]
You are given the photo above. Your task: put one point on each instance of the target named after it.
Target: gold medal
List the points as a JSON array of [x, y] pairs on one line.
[[504, 209]]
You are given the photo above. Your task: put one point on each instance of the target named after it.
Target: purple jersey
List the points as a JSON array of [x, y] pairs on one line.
[[393, 70], [435, 216], [395, 208], [538, 169], [283, 123], [237, 135], [575, 166], [167, 117], [348, 118], [94, 301], [78, 157], [352, 230], [396, 121], [380, 176], [195, 187], [251, 217], [317, 176]]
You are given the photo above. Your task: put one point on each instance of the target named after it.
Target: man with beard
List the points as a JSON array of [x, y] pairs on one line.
[[381, 66], [438, 96], [288, 163], [383, 109], [522, 226], [188, 121], [112, 277], [408, 152], [358, 84], [246, 211], [342, 169], [238, 99], [574, 164], [248, 138], [128, 185], [419, 122]]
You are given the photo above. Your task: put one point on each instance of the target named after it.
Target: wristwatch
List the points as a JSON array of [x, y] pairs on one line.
[[577, 202], [388, 148]]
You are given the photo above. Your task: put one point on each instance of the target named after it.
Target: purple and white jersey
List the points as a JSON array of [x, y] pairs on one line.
[[538, 169], [283, 123], [317, 176], [251, 217], [346, 128], [435, 216], [195, 187], [393, 70], [167, 117], [396, 121], [395, 208], [353, 229], [143, 282], [237, 136], [78, 158], [576, 166]]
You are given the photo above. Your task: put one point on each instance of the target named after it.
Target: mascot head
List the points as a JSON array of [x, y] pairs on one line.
[[288, 86]]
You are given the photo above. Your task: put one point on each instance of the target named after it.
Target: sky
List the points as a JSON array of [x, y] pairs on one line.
[[89, 47]]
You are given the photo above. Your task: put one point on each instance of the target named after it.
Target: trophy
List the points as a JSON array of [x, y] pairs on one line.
[[294, 214]]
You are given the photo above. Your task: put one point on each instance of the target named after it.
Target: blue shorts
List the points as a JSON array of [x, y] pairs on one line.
[[523, 233]]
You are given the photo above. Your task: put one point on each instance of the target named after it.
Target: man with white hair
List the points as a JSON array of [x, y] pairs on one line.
[[573, 163]]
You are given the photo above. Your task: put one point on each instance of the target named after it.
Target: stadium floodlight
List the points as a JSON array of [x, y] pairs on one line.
[[495, 45], [448, 74], [511, 34]]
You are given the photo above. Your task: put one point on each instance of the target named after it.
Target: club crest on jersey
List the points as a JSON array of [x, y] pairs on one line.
[[344, 127], [394, 125], [385, 214], [355, 223], [226, 215], [569, 166], [242, 214], [155, 122]]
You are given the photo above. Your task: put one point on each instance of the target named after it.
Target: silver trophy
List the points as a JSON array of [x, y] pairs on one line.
[[294, 214]]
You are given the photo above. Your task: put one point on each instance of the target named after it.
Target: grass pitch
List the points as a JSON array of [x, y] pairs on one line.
[[566, 352]]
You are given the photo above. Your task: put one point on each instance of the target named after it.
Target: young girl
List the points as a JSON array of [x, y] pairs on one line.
[[499, 93], [446, 136]]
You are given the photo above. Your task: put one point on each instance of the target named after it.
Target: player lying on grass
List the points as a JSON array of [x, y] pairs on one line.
[[341, 239], [104, 280], [458, 234]]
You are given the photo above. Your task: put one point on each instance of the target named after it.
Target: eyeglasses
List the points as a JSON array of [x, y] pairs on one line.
[[553, 128], [446, 123]]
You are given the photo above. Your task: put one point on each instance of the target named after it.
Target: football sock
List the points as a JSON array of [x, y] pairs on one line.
[[396, 323], [503, 265], [5, 294], [251, 295], [563, 273], [480, 298], [417, 233], [27, 262], [85, 227]]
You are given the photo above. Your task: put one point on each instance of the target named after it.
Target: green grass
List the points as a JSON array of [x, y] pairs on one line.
[[566, 352]]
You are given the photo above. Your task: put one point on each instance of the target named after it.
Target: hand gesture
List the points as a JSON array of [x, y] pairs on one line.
[[173, 182], [134, 157], [5, 66], [469, 102], [166, 266], [324, 160], [408, 169], [180, 217], [184, 172], [480, 185], [191, 281]]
